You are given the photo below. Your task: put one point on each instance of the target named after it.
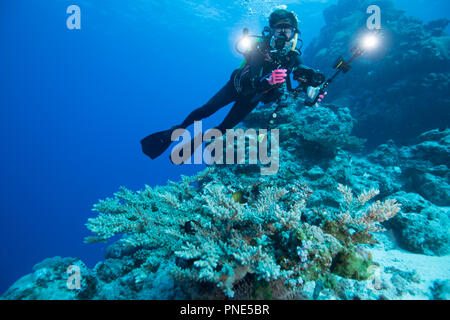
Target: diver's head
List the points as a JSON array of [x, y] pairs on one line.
[[283, 25]]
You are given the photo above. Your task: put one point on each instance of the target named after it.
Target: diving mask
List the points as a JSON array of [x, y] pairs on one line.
[[281, 43], [283, 38], [285, 29]]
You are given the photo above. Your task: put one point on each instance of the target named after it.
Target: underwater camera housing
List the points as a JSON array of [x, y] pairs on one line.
[[369, 42]]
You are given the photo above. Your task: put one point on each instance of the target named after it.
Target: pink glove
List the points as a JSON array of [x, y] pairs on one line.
[[278, 76], [322, 96]]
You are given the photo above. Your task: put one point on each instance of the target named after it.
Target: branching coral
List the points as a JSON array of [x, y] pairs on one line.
[[358, 218], [215, 238], [366, 218]]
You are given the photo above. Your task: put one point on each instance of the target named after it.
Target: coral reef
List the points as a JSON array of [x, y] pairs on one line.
[[333, 223], [423, 225], [304, 233], [49, 282], [402, 89], [220, 241]]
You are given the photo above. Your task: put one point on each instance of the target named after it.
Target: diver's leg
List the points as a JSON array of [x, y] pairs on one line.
[[238, 112], [225, 96]]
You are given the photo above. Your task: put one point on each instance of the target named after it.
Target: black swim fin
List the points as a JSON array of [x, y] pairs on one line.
[[155, 144]]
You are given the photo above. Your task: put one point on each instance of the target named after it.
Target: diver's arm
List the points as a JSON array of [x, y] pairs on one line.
[[256, 67], [252, 77]]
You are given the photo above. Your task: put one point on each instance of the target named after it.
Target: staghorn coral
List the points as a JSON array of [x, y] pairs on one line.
[[366, 218], [358, 218], [214, 238], [221, 242]]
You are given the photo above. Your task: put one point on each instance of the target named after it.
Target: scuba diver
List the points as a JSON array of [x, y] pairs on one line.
[[262, 77]]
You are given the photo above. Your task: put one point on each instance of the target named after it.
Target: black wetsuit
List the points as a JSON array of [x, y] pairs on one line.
[[248, 86]]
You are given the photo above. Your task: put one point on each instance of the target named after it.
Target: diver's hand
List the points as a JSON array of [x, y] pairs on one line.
[[278, 76], [312, 93]]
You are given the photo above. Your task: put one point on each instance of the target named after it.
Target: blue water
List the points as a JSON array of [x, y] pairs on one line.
[[75, 103]]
